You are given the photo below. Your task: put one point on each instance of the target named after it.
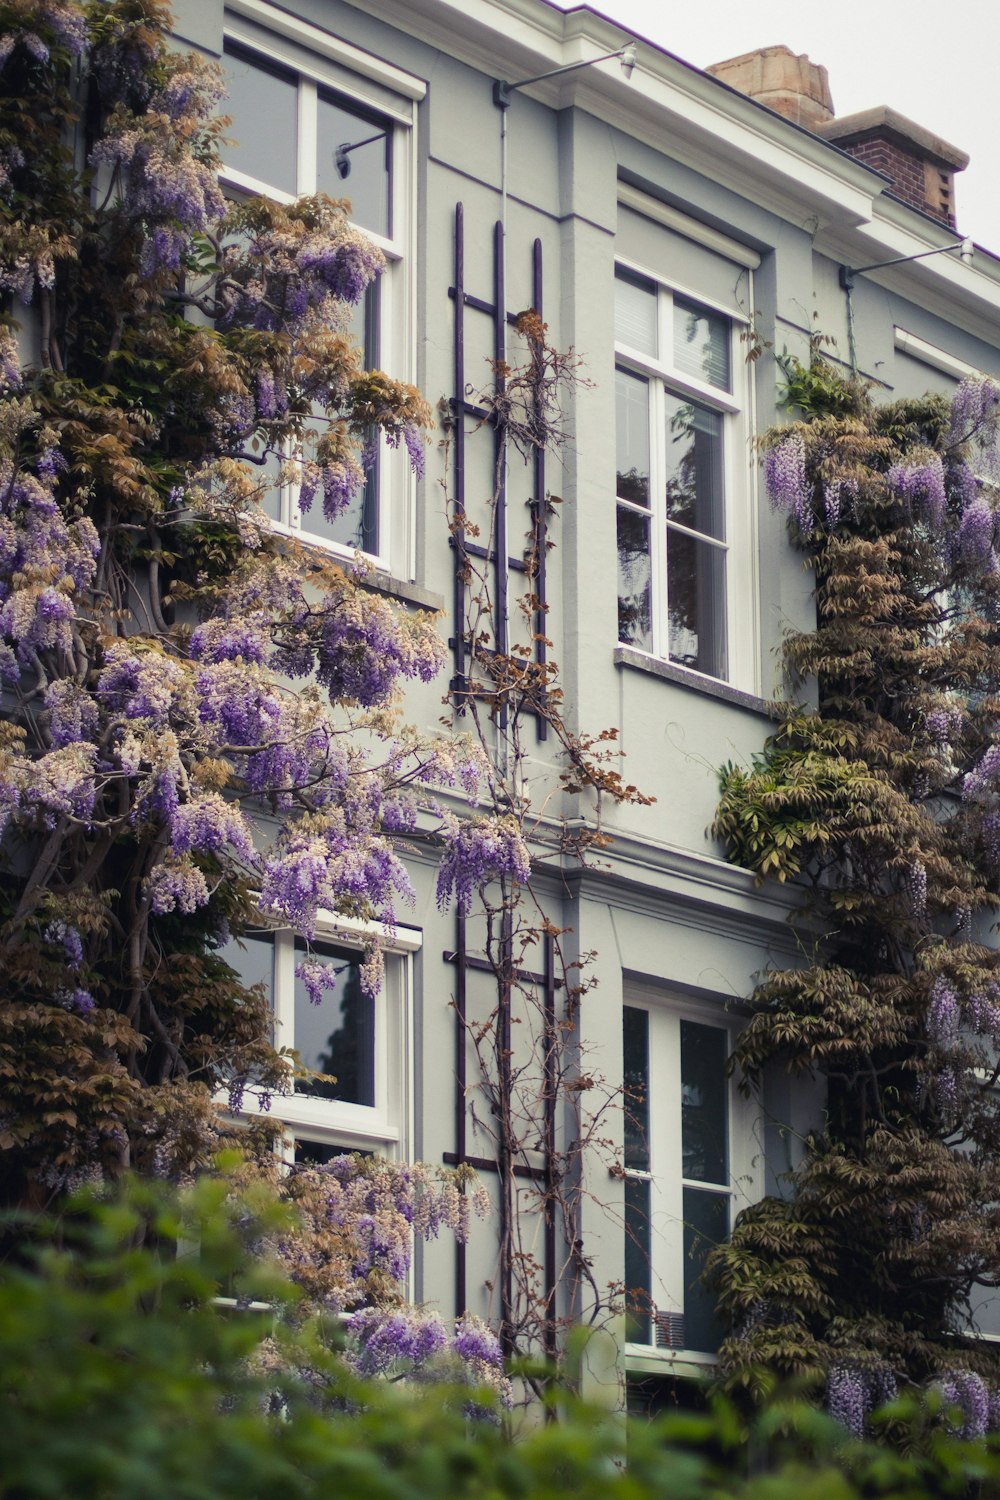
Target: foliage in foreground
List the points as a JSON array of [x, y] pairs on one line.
[[883, 803], [120, 1378]]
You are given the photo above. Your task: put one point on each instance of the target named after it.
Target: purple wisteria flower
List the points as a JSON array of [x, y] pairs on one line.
[[207, 824], [785, 478], [943, 724], [478, 851], [975, 536], [973, 408], [982, 780], [318, 978], [943, 1013], [69, 940], [847, 1398], [968, 1392], [922, 484], [915, 881]]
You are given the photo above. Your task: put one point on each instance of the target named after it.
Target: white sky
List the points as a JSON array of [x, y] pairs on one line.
[[936, 61]]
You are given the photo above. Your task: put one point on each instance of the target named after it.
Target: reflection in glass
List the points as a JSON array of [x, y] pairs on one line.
[[367, 183], [638, 1294], [706, 1224], [632, 430], [635, 313], [696, 603], [701, 344], [356, 526], [253, 960], [635, 614], [263, 107], [695, 489], [704, 1103], [337, 1036], [636, 1091]]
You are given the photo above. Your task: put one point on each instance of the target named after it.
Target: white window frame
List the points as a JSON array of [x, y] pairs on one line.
[[665, 1172], [396, 497], [386, 1126], [738, 474]]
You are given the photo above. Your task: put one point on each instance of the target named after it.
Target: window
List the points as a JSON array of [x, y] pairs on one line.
[[689, 1165], [680, 444], [362, 1045], [300, 126]]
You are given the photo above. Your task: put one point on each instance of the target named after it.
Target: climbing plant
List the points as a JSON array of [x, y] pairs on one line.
[[879, 797], [199, 726]]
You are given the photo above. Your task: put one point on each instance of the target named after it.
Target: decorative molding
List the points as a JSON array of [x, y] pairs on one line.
[[692, 229], [325, 44], [930, 354]]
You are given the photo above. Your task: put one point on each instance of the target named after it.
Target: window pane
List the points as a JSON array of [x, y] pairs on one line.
[[696, 603], [635, 615], [636, 1066], [635, 313], [253, 960], [695, 491], [263, 106], [701, 344], [367, 165], [337, 1036], [356, 526], [632, 434], [638, 1299], [704, 1103], [706, 1224]]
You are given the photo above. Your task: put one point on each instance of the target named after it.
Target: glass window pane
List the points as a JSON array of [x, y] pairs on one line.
[[253, 960], [366, 182], [635, 613], [635, 313], [701, 344], [263, 106], [632, 435], [704, 1103], [706, 1224], [636, 1066], [638, 1280], [696, 604], [357, 525], [695, 489], [337, 1036]]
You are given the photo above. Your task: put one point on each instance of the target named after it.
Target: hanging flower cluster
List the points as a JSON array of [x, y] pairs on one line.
[[477, 852], [785, 477], [851, 1393]]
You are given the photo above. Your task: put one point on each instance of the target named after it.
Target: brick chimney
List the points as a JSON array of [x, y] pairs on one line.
[[920, 165]]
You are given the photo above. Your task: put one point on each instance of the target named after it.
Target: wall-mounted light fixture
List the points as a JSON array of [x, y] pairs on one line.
[[626, 56], [342, 155]]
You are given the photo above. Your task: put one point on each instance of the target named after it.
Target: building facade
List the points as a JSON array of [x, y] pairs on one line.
[[678, 235]]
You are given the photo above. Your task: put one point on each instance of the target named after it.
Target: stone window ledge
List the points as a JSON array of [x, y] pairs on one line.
[[628, 656]]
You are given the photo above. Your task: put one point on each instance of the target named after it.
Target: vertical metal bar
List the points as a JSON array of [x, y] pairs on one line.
[[539, 516], [551, 1085], [457, 540], [461, 972], [499, 451], [458, 535], [505, 1160]]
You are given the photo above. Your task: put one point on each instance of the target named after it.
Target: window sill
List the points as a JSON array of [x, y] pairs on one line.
[[640, 661], [377, 579], [404, 591], [644, 1359]]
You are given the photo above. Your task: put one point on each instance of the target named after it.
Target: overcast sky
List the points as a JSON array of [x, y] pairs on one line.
[[936, 61]]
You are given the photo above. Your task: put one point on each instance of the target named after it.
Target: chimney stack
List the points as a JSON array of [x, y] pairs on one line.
[[920, 165]]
